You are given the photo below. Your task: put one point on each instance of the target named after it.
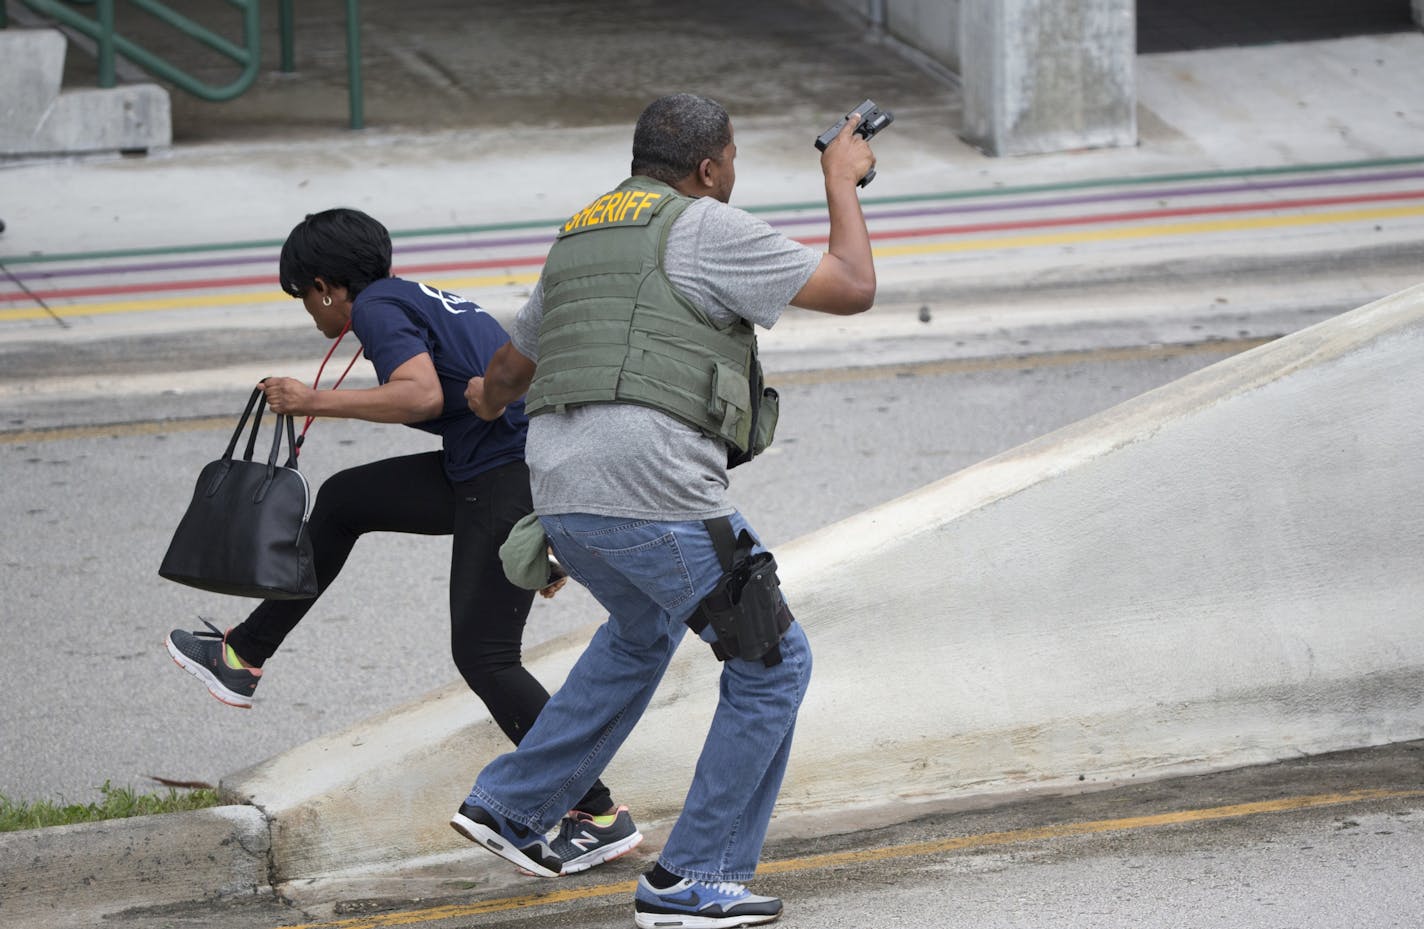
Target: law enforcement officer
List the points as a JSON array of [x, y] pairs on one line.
[[638, 356]]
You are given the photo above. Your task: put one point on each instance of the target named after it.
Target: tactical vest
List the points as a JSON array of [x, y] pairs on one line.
[[615, 330]]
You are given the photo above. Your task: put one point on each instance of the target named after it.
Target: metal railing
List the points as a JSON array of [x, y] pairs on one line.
[[247, 55]]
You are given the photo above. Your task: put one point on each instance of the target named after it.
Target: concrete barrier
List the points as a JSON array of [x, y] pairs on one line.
[[1221, 572], [38, 118], [69, 876]]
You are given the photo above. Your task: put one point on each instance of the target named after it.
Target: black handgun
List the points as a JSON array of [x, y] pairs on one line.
[[872, 120]]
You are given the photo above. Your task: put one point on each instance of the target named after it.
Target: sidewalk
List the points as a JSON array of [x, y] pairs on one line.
[[1227, 109]]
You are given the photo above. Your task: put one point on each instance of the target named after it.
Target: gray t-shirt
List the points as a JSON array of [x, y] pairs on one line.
[[618, 459]]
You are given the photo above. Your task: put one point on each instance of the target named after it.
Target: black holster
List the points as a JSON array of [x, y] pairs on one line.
[[745, 610]]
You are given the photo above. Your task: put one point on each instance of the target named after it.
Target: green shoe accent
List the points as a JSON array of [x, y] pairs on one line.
[[231, 660]]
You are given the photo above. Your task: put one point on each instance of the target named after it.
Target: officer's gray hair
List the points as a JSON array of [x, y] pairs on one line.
[[675, 133]]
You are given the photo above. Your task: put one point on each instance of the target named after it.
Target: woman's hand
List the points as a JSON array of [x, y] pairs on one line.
[[288, 395]]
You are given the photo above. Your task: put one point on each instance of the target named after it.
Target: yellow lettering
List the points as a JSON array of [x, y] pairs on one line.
[[647, 202], [615, 200], [613, 208], [600, 207], [580, 218], [633, 197]]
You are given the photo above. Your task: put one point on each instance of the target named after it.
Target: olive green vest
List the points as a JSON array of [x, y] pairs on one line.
[[615, 330]]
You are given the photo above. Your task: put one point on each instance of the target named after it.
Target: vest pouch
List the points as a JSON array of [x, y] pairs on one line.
[[746, 611], [762, 429], [766, 420]]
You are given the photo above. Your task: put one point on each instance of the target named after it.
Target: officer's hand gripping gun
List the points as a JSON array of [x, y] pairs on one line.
[[872, 120]]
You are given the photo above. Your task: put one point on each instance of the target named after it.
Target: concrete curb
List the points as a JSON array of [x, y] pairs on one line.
[[76, 875], [1211, 575]]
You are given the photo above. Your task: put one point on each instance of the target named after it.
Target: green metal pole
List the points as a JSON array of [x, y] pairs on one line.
[[106, 43], [289, 56], [353, 62]]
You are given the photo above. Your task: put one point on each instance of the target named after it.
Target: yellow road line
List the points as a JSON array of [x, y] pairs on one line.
[[1162, 230], [210, 301], [204, 301], [866, 856]]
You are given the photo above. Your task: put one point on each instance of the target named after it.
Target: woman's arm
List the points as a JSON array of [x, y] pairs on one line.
[[411, 395]]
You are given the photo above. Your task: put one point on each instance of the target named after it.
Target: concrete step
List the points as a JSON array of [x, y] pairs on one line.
[[39, 118]]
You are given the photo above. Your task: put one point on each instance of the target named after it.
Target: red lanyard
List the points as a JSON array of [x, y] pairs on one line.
[[344, 329]]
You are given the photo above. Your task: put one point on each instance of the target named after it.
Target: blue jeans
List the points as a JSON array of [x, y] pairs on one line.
[[650, 576]]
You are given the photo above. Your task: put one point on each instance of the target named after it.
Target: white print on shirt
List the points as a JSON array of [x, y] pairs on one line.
[[448, 300]]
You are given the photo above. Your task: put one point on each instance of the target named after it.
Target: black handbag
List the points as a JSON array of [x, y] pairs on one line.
[[245, 531]]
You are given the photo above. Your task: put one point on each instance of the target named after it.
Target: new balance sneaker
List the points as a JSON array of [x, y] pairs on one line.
[[205, 655], [700, 905], [583, 841], [509, 840]]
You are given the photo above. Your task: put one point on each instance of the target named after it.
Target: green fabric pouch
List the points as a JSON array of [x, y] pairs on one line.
[[525, 555]]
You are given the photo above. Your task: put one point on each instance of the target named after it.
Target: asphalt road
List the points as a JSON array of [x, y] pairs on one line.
[[1330, 842], [93, 697]]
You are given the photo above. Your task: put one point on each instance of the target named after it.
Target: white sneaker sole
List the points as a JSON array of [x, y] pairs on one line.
[[215, 686], [677, 921], [602, 855], [486, 837]]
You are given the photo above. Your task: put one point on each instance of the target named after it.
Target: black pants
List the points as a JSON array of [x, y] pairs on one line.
[[487, 612]]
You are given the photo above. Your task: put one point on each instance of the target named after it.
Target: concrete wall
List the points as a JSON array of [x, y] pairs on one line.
[[1044, 75], [931, 26], [927, 26], [37, 117], [1221, 572], [1037, 75]]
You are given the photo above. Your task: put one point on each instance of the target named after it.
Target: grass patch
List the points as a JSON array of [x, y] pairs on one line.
[[118, 803]]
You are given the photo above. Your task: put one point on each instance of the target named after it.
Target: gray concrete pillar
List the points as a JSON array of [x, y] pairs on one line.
[[1419, 13], [1048, 75]]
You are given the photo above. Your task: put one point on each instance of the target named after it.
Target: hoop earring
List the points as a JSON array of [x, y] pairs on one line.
[[326, 301]]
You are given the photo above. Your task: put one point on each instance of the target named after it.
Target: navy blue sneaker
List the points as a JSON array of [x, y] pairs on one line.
[[692, 904], [509, 840]]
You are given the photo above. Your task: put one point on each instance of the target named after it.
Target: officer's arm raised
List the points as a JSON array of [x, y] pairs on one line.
[[844, 282]]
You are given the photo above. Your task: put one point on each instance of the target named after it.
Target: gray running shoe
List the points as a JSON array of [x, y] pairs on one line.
[[583, 843], [201, 655]]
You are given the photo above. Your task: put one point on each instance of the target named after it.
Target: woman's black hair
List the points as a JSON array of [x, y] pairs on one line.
[[675, 133], [345, 248]]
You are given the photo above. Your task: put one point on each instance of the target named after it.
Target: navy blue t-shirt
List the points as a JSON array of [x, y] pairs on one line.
[[396, 320]]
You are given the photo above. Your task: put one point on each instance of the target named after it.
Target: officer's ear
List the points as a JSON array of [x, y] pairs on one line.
[[704, 173]]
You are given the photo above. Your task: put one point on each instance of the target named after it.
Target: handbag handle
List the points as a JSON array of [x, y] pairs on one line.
[[282, 419], [242, 423], [259, 401]]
